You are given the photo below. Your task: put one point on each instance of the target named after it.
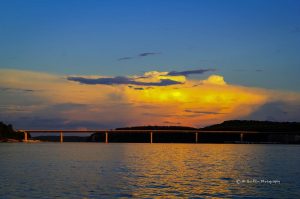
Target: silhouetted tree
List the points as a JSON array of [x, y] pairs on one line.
[[7, 132]]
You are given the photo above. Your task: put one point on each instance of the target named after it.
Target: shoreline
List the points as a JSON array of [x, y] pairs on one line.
[[10, 140]]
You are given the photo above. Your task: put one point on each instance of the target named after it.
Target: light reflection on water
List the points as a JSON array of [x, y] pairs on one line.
[[96, 170]]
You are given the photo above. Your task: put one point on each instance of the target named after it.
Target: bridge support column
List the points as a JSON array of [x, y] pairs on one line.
[[241, 137], [106, 137], [25, 136], [61, 137], [151, 137], [196, 137]]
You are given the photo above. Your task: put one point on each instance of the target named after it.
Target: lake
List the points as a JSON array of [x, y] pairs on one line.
[[125, 170]]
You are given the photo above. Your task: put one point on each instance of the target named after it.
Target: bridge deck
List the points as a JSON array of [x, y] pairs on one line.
[[153, 133], [130, 131]]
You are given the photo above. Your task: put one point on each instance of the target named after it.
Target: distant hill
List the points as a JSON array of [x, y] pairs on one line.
[[251, 125], [7, 133], [157, 128]]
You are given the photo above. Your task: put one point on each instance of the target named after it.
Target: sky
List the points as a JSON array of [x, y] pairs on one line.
[[105, 64]]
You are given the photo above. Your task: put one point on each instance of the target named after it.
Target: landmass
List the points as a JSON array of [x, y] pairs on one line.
[[8, 134], [239, 131], [246, 131], [253, 125], [157, 128]]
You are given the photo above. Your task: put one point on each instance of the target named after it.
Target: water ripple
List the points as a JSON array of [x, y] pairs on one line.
[[83, 170]]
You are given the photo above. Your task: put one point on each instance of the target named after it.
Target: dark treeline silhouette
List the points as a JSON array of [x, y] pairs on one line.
[[231, 125], [144, 137], [157, 128], [252, 125], [253, 132], [7, 133]]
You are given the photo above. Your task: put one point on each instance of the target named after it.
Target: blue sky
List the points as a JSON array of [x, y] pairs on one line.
[[253, 43], [105, 64]]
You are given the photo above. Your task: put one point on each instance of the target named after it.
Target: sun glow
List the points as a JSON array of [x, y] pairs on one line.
[[189, 102]]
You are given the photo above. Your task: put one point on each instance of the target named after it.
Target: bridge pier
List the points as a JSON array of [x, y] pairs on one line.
[[61, 137], [241, 137], [196, 137], [151, 137], [25, 136], [106, 137]]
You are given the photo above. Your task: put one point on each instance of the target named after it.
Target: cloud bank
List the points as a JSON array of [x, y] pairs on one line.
[[144, 54], [122, 80], [124, 58], [154, 98], [190, 72], [148, 53]]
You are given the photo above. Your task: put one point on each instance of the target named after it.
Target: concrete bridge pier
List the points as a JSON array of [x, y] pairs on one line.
[[196, 137], [61, 137], [151, 137], [106, 137], [241, 137], [25, 136]]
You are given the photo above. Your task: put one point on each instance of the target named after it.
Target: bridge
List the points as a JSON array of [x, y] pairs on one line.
[[151, 133]]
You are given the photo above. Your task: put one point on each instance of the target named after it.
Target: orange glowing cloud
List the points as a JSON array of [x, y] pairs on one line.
[[156, 98]]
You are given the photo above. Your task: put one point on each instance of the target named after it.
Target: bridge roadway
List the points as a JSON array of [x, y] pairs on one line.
[[151, 132]]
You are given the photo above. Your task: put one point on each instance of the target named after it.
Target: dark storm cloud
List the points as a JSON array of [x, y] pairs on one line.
[[203, 112], [145, 54], [124, 58], [148, 53], [296, 29], [172, 123], [277, 111], [159, 115], [189, 72], [15, 89], [138, 88], [122, 80], [68, 106], [36, 122]]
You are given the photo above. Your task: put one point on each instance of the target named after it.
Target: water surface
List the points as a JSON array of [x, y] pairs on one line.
[[97, 170]]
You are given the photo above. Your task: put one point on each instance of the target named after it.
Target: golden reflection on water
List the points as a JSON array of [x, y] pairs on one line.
[[95, 170], [179, 170]]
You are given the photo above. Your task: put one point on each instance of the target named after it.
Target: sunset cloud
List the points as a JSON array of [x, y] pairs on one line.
[[215, 79], [189, 72], [148, 53], [144, 54], [124, 58], [154, 98], [122, 80]]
